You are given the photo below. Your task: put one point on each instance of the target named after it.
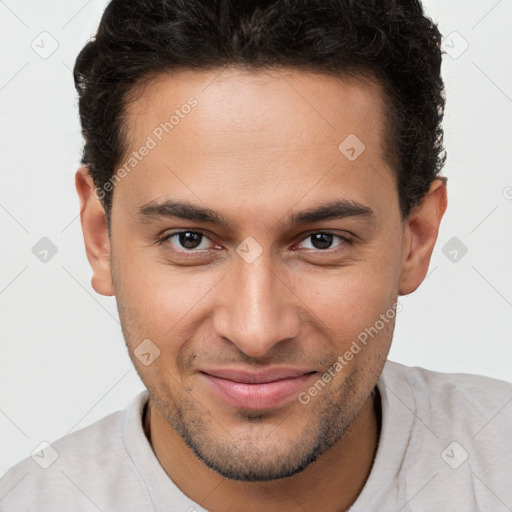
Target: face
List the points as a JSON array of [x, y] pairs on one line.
[[253, 244]]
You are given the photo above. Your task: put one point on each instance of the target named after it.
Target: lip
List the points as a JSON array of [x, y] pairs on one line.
[[256, 390]]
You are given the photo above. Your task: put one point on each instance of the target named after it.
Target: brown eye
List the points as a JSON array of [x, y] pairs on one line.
[[190, 239], [325, 240], [186, 240], [322, 240]]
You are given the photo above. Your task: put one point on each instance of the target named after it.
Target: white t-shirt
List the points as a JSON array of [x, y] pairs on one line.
[[445, 445]]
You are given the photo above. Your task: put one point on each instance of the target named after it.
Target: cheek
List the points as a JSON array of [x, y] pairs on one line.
[[158, 301], [349, 305], [350, 300]]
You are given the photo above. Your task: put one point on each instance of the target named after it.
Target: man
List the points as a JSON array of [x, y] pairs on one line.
[[260, 183]]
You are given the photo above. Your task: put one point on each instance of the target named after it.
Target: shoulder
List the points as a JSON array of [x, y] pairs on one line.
[[450, 403], [445, 442], [430, 378], [76, 471], [454, 425], [453, 392]]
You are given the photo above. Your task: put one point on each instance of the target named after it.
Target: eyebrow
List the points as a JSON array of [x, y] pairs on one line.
[[338, 209]]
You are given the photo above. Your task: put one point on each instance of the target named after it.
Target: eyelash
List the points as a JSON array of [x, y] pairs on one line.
[[190, 253]]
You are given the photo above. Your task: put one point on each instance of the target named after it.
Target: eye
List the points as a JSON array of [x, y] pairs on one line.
[[323, 240], [187, 241]]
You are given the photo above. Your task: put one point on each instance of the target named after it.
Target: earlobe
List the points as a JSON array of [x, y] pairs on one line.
[[95, 232], [421, 230]]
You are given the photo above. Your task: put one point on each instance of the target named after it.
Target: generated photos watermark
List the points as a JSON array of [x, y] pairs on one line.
[[152, 141], [343, 360]]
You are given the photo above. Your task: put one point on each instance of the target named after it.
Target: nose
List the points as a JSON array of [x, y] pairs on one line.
[[258, 307]]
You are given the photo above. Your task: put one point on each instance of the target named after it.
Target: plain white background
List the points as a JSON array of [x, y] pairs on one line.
[[63, 361]]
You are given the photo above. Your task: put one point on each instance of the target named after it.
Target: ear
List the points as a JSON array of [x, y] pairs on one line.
[[95, 231], [421, 229]]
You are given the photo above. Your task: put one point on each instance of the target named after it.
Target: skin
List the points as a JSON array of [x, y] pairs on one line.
[[258, 147]]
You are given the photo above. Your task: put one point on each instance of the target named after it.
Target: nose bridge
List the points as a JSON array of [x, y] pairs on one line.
[[258, 307]]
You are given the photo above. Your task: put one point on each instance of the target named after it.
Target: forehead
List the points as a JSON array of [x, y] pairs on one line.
[[267, 133], [276, 107]]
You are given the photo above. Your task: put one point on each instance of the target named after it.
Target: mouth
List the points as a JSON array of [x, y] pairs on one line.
[[257, 390]]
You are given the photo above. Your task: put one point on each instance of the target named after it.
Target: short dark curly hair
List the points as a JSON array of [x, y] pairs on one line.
[[392, 42]]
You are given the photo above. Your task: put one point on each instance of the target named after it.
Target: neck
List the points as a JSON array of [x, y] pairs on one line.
[[335, 479]]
